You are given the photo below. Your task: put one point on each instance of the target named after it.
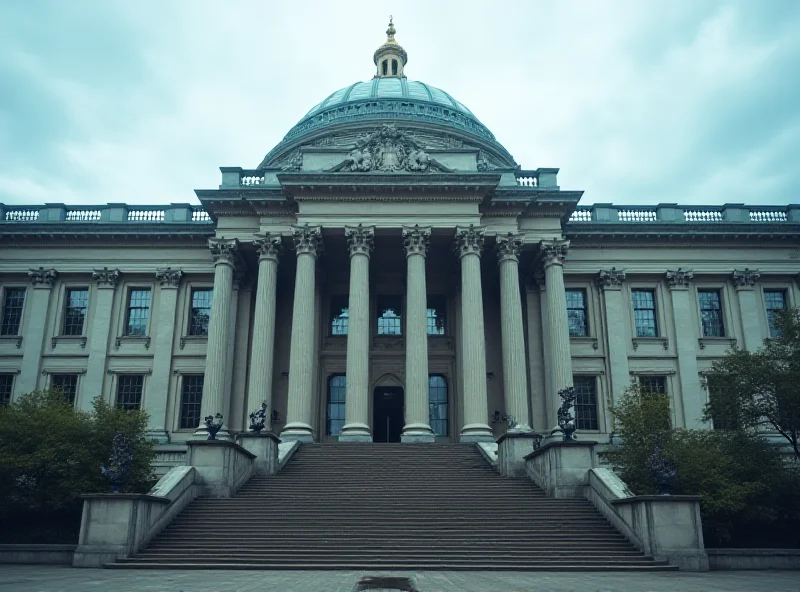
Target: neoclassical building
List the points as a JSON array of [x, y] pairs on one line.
[[387, 273]]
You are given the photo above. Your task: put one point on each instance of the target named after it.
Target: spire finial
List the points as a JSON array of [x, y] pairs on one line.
[[390, 31]]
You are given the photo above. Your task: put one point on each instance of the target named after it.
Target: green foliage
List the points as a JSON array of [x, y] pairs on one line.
[[50, 454], [761, 390], [748, 494]]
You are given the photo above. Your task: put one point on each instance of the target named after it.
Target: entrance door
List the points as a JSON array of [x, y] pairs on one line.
[[387, 414]]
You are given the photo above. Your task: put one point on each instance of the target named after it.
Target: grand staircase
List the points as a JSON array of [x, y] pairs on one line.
[[391, 506]]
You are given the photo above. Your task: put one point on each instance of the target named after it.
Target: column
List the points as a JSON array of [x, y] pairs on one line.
[[356, 429], [417, 427], [469, 244], [559, 355], [223, 252], [155, 401], [262, 353], [307, 243], [614, 310], [33, 341], [536, 365], [100, 326], [691, 400], [745, 284], [514, 381]]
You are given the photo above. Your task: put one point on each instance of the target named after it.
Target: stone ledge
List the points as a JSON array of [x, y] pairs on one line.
[[656, 498], [511, 435], [222, 444], [545, 447], [270, 435], [126, 496]]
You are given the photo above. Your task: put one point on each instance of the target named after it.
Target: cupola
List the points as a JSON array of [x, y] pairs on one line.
[[390, 57]]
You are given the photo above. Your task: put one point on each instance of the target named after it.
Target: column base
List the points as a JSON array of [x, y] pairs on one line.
[[355, 438], [476, 432], [355, 432], [417, 438], [299, 431], [417, 432]]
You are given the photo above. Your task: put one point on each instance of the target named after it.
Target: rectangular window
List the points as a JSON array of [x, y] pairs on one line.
[[13, 302], [191, 399], [339, 315], [644, 313], [6, 388], [67, 384], [653, 384], [576, 313], [390, 315], [77, 301], [201, 311], [129, 391], [437, 404], [585, 402], [774, 300], [711, 313], [437, 308], [138, 311], [722, 417], [337, 387]]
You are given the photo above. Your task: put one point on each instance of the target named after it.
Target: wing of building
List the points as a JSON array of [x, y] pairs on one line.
[[387, 273]]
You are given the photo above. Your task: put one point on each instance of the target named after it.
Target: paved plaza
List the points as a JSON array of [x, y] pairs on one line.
[[19, 578]]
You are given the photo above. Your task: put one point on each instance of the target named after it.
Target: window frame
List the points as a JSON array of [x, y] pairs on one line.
[[129, 290], [440, 404], [588, 320], [52, 374], [12, 381], [179, 399], [328, 402], [723, 311], [191, 290], [401, 316], [787, 302], [3, 295], [659, 310], [118, 384], [62, 321], [332, 300], [428, 318]]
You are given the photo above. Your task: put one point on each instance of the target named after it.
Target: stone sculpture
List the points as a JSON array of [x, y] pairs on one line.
[[213, 425], [258, 419]]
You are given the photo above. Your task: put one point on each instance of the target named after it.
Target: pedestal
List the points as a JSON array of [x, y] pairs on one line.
[[512, 448], [264, 446]]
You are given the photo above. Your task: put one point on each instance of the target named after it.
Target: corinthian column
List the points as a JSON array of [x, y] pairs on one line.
[[356, 428], [615, 309], [259, 389], [223, 252], [42, 280], [417, 428], [559, 355], [469, 244], [307, 243], [516, 386]]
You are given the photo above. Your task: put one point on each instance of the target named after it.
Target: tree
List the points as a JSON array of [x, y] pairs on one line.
[[761, 389]]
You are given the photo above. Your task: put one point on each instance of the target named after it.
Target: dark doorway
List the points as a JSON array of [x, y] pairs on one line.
[[387, 414]]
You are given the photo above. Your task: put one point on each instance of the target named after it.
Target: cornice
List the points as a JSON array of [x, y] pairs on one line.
[[684, 231]]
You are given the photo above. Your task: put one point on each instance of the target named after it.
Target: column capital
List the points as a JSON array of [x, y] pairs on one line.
[[745, 280], [553, 252], [509, 247], [106, 278], [611, 279], [42, 278], [416, 239], [169, 278], [224, 250], [360, 239], [469, 240], [268, 245], [679, 279], [307, 239]]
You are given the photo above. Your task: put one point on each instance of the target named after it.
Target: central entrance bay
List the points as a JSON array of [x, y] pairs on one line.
[[387, 414]]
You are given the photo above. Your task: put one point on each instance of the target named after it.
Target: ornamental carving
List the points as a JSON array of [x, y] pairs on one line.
[[169, 278], [43, 277], [746, 278], [360, 239], [553, 252], [307, 239], [389, 150], [224, 250], [106, 277], [679, 279], [509, 247], [268, 246], [416, 239], [294, 162], [469, 240], [611, 279]]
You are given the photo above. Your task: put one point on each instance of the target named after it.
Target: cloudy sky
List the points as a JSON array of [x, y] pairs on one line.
[[637, 101]]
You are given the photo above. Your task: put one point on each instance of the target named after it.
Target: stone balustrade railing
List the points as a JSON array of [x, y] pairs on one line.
[[673, 213], [102, 214], [538, 178]]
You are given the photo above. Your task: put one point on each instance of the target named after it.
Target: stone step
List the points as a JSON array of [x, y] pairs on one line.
[[394, 566], [348, 544], [245, 555]]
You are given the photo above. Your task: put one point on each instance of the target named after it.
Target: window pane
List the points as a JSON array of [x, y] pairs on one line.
[[6, 386], [138, 311], [724, 417], [436, 315], [13, 302], [644, 313], [339, 315], [390, 315], [77, 301], [67, 384], [201, 311], [711, 313], [576, 313], [653, 384], [191, 399], [585, 402], [337, 386], [774, 300], [129, 392], [437, 404]]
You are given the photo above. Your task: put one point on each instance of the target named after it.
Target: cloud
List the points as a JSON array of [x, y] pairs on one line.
[[636, 102]]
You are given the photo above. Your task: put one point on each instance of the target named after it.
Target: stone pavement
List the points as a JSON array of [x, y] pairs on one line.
[[34, 578]]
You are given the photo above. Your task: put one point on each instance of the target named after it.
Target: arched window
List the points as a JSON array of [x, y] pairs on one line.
[[336, 397], [385, 67], [437, 404], [394, 67]]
